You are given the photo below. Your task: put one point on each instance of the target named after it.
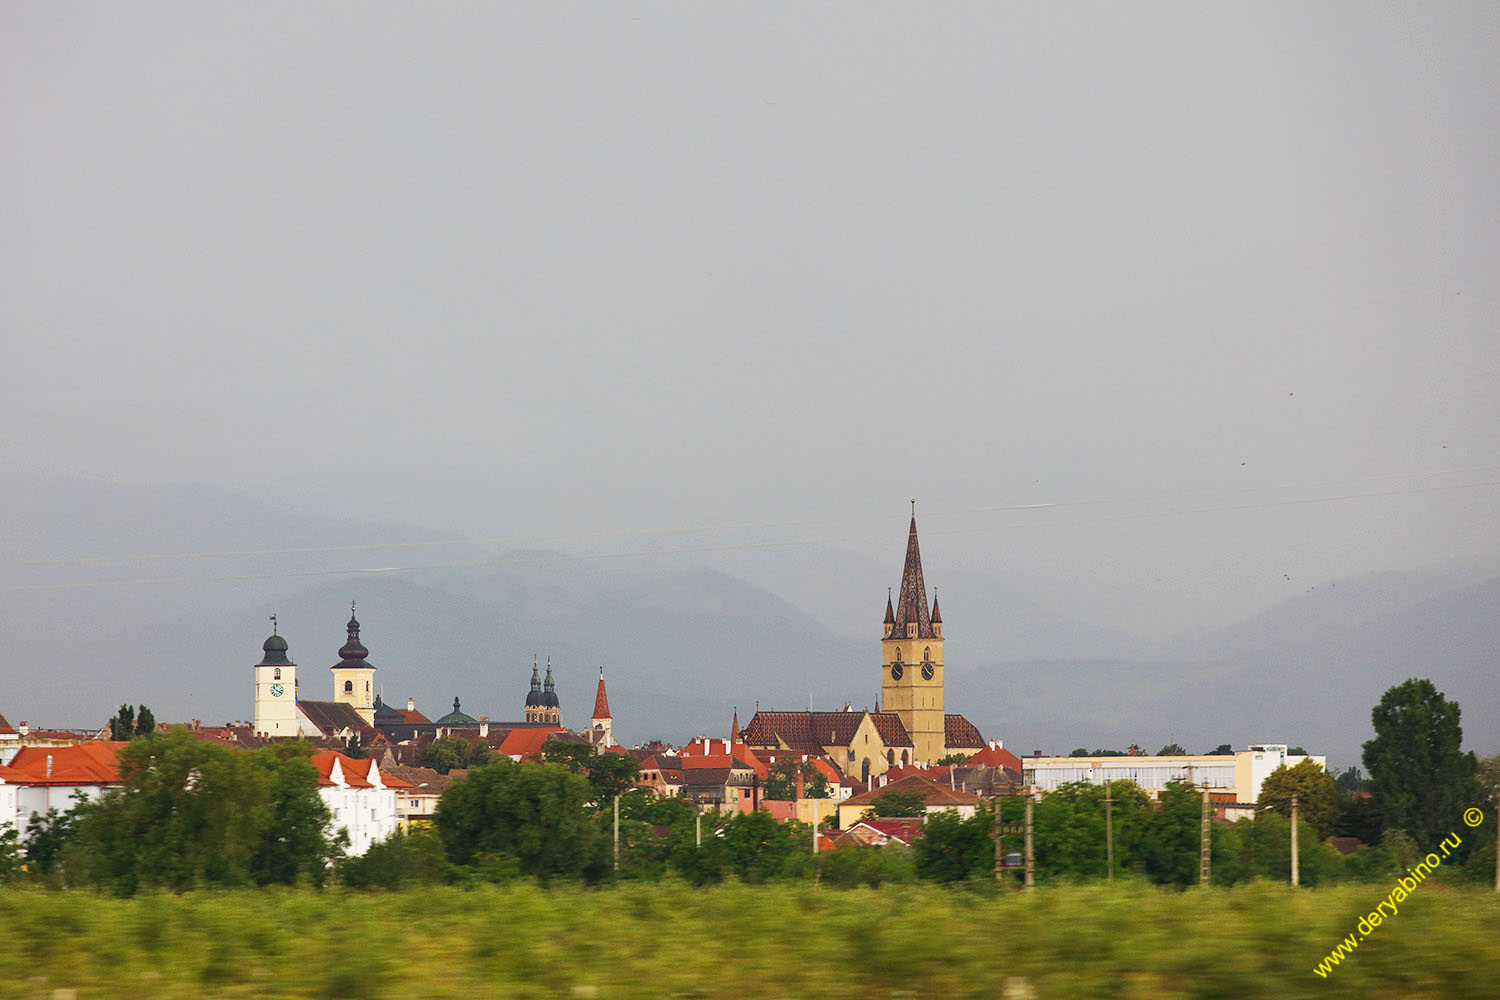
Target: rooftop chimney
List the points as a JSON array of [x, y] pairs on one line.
[[411, 704], [49, 765], [484, 726], [24, 728]]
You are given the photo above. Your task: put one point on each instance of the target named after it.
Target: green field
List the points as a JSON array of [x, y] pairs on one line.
[[673, 940]]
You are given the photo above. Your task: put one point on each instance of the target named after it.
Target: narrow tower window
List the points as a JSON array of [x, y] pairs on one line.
[[276, 674], [348, 687]]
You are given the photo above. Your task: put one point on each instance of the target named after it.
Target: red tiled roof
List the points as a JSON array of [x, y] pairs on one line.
[[810, 732], [5, 726], [356, 772], [996, 757], [93, 763], [933, 794], [960, 733], [410, 716], [526, 742]]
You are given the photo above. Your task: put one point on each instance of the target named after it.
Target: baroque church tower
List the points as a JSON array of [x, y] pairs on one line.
[[353, 675], [911, 682]]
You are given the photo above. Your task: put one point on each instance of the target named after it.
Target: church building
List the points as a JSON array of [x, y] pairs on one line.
[[911, 724]]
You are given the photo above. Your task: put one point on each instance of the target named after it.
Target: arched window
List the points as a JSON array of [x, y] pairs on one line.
[[890, 758], [905, 758], [864, 770], [348, 687], [927, 655], [276, 674]]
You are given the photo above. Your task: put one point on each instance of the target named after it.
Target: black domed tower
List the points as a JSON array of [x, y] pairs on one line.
[[354, 675]]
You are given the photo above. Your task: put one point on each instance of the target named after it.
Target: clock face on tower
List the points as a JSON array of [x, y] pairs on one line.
[[927, 671], [896, 671], [276, 690]]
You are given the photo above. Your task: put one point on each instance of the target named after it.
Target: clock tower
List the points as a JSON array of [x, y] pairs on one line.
[[911, 683], [275, 689]]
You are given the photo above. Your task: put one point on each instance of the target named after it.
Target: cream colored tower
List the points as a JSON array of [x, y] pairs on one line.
[[275, 689], [912, 660], [353, 676]]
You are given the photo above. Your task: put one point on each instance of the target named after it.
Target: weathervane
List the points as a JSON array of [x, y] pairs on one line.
[[273, 623]]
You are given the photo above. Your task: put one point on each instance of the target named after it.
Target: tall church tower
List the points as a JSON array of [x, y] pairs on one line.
[[275, 689], [601, 731], [911, 682], [353, 675]]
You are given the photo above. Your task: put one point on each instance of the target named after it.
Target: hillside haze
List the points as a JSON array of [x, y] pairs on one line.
[[683, 645]]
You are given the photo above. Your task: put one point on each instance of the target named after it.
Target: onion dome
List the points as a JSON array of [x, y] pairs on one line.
[[534, 696], [352, 654], [549, 692]]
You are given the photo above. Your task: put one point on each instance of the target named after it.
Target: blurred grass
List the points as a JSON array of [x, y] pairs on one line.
[[670, 939]]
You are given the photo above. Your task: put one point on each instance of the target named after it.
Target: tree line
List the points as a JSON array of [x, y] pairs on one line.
[[189, 814]]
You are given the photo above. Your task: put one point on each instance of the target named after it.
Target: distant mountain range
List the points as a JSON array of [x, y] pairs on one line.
[[682, 646]]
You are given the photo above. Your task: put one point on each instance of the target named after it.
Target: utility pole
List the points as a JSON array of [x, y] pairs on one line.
[[1000, 851], [698, 825], [1294, 838], [617, 833], [1030, 860], [1109, 828], [1205, 843]]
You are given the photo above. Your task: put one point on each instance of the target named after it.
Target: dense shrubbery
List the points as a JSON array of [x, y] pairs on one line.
[[670, 939]]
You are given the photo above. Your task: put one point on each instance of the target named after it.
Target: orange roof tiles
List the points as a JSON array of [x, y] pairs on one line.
[[933, 794], [526, 742], [997, 757], [95, 762]]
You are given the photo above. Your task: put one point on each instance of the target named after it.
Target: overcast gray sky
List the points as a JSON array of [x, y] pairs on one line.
[[544, 269]]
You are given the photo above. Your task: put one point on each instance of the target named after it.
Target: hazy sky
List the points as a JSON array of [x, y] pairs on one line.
[[544, 269]]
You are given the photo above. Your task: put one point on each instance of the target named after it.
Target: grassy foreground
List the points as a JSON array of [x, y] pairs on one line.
[[668, 939]]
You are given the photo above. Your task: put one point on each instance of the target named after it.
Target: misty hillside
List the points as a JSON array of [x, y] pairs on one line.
[[1314, 690], [682, 644]]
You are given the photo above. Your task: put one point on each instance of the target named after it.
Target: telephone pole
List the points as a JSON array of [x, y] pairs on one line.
[[1109, 829], [1205, 843], [1294, 838], [1030, 860]]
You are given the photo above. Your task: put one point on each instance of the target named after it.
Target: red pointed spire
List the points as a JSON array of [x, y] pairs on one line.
[[937, 616], [601, 700], [890, 614]]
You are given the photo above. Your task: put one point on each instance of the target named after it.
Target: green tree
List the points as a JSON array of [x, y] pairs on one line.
[[899, 804], [122, 723], [128, 722], [954, 759], [1222, 750], [398, 862], [534, 814], [611, 774], [851, 867], [1069, 829], [48, 836], [1171, 837], [1172, 750], [576, 757], [352, 747], [445, 753], [757, 848], [1317, 799], [1418, 770], [781, 781], [190, 813], [1262, 848], [951, 849], [10, 854]]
